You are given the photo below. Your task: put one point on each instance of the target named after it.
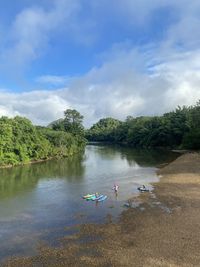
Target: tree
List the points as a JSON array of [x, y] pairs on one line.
[[103, 130], [169, 130], [73, 122], [192, 137], [57, 125], [22, 142]]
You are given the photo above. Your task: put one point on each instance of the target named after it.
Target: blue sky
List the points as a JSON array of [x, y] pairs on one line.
[[103, 58]]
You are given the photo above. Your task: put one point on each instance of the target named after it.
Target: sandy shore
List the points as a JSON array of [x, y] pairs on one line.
[[164, 230]]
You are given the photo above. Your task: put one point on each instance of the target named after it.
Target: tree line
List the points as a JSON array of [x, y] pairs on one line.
[[22, 142], [176, 129]]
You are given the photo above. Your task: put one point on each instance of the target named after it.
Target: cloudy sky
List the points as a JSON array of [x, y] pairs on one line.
[[102, 57]]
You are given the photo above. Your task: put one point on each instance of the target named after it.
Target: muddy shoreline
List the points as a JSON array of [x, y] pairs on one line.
[[162, 228]]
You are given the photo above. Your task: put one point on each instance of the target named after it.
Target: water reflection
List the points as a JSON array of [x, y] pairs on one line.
[[70, 168], [105, 152], [15, 180], [23, 178], [142, 157], [147, 157], [37, 198]]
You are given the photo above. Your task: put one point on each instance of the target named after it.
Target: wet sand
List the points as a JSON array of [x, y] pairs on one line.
[[161, 228]]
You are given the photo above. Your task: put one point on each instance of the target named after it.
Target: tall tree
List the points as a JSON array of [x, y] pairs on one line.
[[73, 122]]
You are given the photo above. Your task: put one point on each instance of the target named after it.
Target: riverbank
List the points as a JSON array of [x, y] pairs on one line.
[[8, 166], [161, 228]]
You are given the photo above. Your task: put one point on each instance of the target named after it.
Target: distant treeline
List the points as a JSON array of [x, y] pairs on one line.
[[176, 129], [22, 142]]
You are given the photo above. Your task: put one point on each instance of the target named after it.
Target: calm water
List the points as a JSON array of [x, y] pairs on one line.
[[38, 201]]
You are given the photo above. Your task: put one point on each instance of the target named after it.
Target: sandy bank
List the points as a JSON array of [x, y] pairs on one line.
[[163, 231]]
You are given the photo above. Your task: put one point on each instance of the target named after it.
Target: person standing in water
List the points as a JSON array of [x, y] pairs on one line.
[[96, 195], [116, 188]]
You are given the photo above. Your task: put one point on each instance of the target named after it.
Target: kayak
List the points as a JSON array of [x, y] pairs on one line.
[[102, 198], [89, 196], [96, 198], [143, 189]]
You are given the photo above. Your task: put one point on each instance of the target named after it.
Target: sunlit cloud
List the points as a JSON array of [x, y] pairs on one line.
[[130, 77], [116, 90]]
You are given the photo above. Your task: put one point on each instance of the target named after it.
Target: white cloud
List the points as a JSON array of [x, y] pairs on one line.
[[131, 80], [32, 29], [118, 88], [40, 107]]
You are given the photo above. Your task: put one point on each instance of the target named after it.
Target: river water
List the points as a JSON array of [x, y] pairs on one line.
[[38, 201]]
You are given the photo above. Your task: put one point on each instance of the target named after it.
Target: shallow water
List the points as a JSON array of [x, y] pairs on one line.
[[38, 201]]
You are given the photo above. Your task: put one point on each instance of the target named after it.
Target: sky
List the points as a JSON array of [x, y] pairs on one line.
[[103, 58]]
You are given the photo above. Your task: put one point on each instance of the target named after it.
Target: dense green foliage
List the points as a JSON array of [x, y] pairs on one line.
[[72, 123], [192, 137], [21, 142], [177, 129], [103, 130], [63, 143]]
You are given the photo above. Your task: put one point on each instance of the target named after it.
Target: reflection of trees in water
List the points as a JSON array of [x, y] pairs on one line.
[[16, 180], [23, 178], [147, 157], [142, 157], [69, 168], [108, 152], [19, 179]]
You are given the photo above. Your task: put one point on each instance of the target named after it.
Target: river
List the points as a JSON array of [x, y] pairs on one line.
[[38, 201]]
